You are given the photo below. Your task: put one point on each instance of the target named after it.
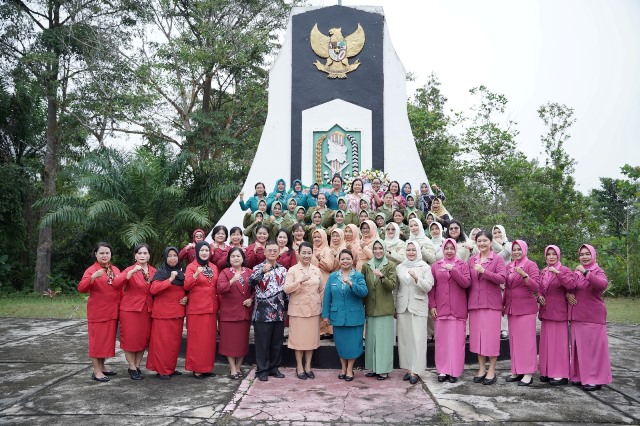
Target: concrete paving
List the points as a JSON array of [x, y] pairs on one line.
[[45, 379]]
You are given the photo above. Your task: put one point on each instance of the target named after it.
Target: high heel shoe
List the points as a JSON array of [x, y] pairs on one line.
[[479, 379], [99, 379], [134, 374]]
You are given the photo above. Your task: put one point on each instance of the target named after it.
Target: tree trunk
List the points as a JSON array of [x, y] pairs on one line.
[[43, 254]]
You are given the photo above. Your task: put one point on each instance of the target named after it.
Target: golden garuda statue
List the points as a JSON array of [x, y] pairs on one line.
[[337, 49]]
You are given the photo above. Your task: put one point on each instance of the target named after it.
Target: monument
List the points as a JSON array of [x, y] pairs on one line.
[[337, 104]]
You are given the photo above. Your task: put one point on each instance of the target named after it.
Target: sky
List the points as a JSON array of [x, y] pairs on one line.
[[581, 53]]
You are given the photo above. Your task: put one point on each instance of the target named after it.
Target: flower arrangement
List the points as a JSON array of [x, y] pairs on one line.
[[367, 177]]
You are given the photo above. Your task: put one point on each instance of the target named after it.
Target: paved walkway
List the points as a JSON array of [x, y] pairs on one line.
[[44, 379]]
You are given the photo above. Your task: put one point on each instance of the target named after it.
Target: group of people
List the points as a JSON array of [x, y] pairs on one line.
[[359, 276]]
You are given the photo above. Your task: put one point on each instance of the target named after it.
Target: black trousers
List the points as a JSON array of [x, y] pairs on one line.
[[268, 338]]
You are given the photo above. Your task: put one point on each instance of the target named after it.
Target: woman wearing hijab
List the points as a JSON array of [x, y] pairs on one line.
[[219, 247], [590, 361], [416, 233], [252, 202], [286, 256], [200, 281], [394, 246], [257, 220], [279, 193], [435, 230], [411, 208], [521, 308], [556, 280], [102, 310], [448, 303], [255, 251], [380, 276], [325, 212], [188, 252], [352, 242], [412, 309], [236, 306], [135, 309], [470, 243], [380, 220], [305, 287], [488, 273], [297, 192], [169, 299], [456, 232], [325, 260], [426, 196], [441, 214], [406, 190], [369, 233], [501, 244], [276, 220], [342, 308], [387, 207], [336, 192]]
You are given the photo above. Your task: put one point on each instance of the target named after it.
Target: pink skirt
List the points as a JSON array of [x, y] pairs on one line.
[[554, 349], [164, 346], [590, 361], [450, 345], [234, 338], [201, 343], [484, 331], [135, 330], [522, 343], [102, 339]]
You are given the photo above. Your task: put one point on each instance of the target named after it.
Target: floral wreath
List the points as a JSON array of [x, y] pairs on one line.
[[367, 176]]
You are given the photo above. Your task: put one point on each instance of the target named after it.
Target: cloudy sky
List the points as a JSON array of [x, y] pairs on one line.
[[582, 53]]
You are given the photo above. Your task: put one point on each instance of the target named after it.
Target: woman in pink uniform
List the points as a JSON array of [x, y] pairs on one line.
[[590, 361], [488, 272], [521, 307], [448, 303], [135, 309], [556, 280]]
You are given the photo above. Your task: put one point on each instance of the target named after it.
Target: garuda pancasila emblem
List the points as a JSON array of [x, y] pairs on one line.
[[337, 49]]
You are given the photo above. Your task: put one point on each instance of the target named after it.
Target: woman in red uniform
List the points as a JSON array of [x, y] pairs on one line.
[[188, 252], [287, 256], [102, 310], [167, 315], [521, 308], [201, 281], [219, 247], [236, 306], [135, 309], [255, 252]]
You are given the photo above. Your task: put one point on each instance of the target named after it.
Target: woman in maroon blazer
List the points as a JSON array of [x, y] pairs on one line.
[[521, 307], [188, 252], [135, 309], [255, 251], [236, 303], [167, 316], [590, 361], [201, 280], [102, 309], [219, 246], [556, 279], [488, 272]]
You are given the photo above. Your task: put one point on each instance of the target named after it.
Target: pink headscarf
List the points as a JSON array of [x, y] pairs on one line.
[[455, 246], [525, 250], [593, 265], [547, 277], [557, 250]]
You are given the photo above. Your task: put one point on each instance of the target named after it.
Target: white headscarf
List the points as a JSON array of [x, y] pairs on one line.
[[437, 242], [418, 262], [504, 233], [392, 243], [421, 238]]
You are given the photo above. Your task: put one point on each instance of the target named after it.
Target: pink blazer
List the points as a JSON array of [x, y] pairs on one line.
[[519, 296], [553, 287], [588, 292], [485, 292], [449, 292]]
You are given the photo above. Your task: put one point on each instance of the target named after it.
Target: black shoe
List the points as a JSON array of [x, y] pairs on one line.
[[521, 383], [555, 382], [341, 376], [176, 373], [209, 374], [576, 383], [545, 379], [302, 376], [277, 374], [406, 377], [381, 377], [488, 382], [452, 379], [515, 378], [134, 374], [504, 334], [591, 388], [198, 376], [348, 378], [479, 379], [263, 378], [371, 374], [414, 379], [99, 379], [443, 378], [310, 374], [163, 376], [109, 373]]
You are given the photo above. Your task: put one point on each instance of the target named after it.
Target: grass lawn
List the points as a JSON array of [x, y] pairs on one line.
[[39, 306], [619, 310]]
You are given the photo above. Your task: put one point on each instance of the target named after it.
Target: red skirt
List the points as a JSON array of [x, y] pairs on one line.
[[164, 346], [234, 338], [201, 343], [135, 330], [102, 339]]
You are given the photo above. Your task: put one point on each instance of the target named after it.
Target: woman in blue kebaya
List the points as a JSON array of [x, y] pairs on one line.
[[302, 199], [336, 192], [279, 193], [252, 202]]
